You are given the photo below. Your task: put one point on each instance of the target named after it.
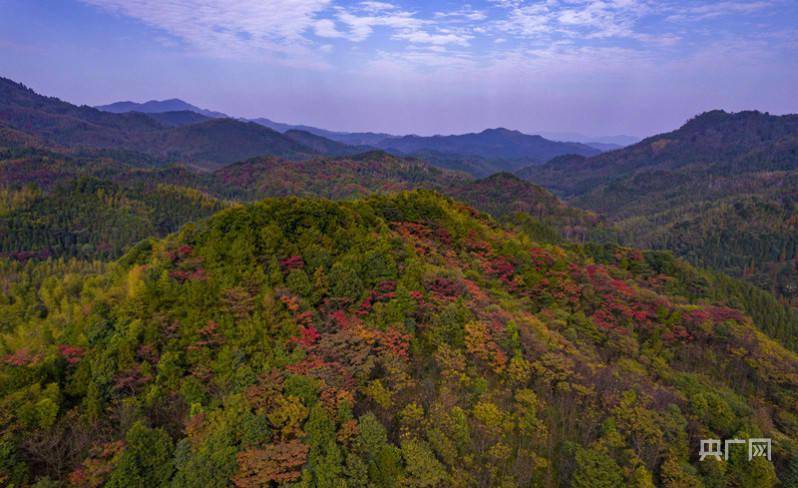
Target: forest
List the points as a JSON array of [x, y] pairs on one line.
[[202, 302], [401, 340]]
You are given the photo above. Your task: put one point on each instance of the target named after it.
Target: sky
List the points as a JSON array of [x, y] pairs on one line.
[[595, 67]]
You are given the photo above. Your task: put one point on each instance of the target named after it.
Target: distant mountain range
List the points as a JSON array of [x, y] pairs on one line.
[[512, 149], [480, 154], [159, 106], [613, 142], [722, 191], [175, 136]]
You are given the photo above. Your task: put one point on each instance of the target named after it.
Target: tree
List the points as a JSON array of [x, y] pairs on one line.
[[146, 460], [279, 463], [596, 469], [422, 469]]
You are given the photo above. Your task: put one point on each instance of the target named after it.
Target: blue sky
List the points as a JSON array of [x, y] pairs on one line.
[[598, 67]]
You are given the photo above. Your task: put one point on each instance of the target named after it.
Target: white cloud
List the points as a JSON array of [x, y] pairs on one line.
[[326, 28], [230, 28], [405, 25], [717, 9]]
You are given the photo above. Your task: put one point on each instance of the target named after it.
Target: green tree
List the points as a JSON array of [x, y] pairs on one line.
[[596, 469], [422, 469], [146, 461]]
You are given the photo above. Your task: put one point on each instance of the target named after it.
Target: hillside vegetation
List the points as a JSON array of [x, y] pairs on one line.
[[393, 341], [720, 191]]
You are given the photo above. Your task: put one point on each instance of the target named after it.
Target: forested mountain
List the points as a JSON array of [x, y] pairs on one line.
[[394, 341], [67, 209], [93, 219], [167, 137], [721, 191], [349, 138], [159, 106], [322, 145], [505, 149], [178, 118]]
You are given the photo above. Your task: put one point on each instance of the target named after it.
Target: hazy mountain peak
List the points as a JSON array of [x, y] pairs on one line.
[[159, 106]]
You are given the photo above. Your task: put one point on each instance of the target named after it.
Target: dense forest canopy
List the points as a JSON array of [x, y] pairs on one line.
[[720, 191], [192, 300], [394, 341]]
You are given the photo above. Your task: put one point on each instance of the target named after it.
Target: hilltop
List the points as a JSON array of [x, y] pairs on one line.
[[721, 191], [167, 137], [394, 341]]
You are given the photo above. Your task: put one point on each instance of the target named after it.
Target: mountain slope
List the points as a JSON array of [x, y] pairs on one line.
[[395, 341], [721, 191], [511, 149], [224, 141], [323, 145], [93, 219], [178, 118], [349, 138], [503, 196], [716, 141], [167, 136], [158, 106]]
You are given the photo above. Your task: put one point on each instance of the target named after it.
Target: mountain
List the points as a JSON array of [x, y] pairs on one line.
[[393, 341], [93, 219], [720, 191], [619, 140], [178, 118], [52, 175], [224, 141], [168, 137], [159, 106], [323, 145], [349, 138], [507, 149], [62, 124], [603, 146]]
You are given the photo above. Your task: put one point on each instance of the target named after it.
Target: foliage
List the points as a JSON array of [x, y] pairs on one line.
[[394, 341]]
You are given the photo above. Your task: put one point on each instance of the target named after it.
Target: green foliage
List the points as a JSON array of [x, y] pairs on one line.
[[146, 460], [393, 341], [596, 469]]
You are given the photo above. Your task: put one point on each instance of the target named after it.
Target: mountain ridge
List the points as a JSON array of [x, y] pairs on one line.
[[720, 190]]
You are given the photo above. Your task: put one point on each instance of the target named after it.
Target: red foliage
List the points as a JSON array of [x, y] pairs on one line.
[[698, 316], [500, 267], [95, 469], [72, 354], [275, 463], [478, 248], [677, 334], [292, 262], [340, 320], [722, 314], [182, 275], [22, 357], [308, 336], [130, 380], [375, 296], [541, 258], [180, 253], [395, 343], [209, 337], [387, 286], [290, 302], [304, 318], [443, 236], [445, 288]]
